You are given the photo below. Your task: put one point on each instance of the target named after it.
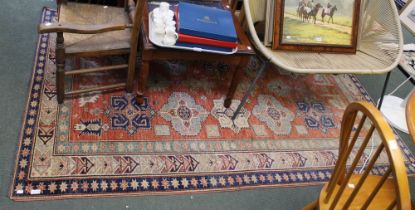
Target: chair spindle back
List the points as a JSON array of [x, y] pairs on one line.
[[410, 115], [358, 114]]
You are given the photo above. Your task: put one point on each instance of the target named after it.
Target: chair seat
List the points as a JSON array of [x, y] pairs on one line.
[[384, 197], [379, 43], [79, 13]]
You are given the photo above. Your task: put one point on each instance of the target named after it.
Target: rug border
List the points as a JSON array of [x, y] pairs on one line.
[[161, 193], [25, 112]]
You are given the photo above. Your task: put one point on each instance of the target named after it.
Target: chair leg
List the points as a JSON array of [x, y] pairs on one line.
[[236, 78], [60, 67], [142, 81], [311, 206], [250, 88]]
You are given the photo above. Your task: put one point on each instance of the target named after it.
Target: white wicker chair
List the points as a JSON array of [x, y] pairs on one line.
[[379, 45]]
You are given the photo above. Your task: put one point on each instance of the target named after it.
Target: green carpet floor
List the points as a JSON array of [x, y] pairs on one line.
[[18, 36]]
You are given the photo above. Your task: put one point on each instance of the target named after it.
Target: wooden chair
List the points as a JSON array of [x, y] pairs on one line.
[[410, 115], [88, 30], [349, 190], [151, 52]]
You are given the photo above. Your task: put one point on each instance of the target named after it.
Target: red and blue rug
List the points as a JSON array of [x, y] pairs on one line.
[[181, 140]]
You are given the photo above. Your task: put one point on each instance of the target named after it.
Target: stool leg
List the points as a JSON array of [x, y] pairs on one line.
[[60, 67], [131, 72], [132, 57], [234, 4], [142, 81], [236, 78]]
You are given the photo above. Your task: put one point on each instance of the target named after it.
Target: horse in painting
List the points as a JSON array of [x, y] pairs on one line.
[[328, 12], [311, 13]]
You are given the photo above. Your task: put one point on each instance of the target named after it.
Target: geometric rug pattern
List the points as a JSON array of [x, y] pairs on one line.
[[181, 139]]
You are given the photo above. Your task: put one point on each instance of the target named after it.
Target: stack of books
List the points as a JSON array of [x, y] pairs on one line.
[[205, 27]]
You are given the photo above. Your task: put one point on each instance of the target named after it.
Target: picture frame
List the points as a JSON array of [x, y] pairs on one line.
[[407, 17], [300, 25]]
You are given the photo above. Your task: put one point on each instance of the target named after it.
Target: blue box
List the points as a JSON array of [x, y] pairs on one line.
[[205, 21]]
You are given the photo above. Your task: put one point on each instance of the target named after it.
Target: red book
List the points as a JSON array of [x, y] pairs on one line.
[[206, 41]]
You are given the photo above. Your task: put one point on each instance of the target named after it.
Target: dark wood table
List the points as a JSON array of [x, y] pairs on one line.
[[150, 52]]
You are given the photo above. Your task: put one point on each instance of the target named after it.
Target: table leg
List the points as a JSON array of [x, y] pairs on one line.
[[236, 78], [142, 81], [251, 87]]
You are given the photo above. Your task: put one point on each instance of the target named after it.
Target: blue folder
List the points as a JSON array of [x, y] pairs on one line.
[[205, 21]]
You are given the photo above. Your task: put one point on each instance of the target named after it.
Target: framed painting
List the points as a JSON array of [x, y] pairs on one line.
[[408, 17], [316, 25]]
